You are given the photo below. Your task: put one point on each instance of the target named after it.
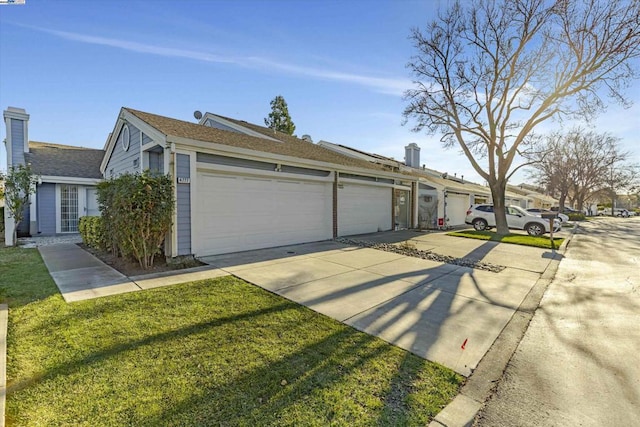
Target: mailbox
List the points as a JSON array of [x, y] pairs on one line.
[[549, 215]]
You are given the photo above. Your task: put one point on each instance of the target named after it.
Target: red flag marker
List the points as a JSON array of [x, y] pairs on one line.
[[464, 343]]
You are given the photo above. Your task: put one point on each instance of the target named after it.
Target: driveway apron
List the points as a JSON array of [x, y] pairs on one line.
[[442, 312]]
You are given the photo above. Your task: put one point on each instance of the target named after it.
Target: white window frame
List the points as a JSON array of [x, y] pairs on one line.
[[81, 189], [126, 142]]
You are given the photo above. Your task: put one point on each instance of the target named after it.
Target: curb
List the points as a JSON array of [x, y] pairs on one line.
[[4, 316], [464, 408]]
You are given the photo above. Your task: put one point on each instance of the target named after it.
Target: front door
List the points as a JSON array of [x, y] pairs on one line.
[[92, 208], [401, 209]]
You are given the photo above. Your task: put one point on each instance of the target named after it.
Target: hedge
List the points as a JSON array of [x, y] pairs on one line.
[[576, 217], [92, 232]]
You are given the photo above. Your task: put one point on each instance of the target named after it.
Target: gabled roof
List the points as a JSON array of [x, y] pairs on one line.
[[64, 160], [285, 145], [232, 124]]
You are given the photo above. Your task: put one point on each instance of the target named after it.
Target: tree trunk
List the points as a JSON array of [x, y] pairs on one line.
[[561, 200], [497, 192]]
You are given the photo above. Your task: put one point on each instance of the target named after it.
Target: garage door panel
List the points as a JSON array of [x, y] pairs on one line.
[[363, 209], [237, 213]]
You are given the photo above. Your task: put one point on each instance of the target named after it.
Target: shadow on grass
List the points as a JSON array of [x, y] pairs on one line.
[[311, 370], [316, 375], [93, 358], [511, 238]]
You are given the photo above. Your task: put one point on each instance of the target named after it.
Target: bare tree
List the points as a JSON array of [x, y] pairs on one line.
[[621, 177], [552, 166], [576, 164], [488, 73]]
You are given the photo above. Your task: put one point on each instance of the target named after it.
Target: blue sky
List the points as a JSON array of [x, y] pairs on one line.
[[339, 64]]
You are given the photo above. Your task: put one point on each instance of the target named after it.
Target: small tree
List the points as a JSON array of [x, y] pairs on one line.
[[279, 118], [19, 184]]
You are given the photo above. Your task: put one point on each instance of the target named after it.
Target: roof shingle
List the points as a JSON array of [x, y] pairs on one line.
[[64, 160]]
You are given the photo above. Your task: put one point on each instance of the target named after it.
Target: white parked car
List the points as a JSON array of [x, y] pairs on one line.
[[482, 217], [622, 212], [617, 211], [538, 212]]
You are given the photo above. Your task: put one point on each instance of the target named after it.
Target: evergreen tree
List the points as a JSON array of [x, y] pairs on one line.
[[279, 118]]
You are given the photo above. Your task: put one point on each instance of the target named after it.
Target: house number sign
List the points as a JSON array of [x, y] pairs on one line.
[[183, 180]]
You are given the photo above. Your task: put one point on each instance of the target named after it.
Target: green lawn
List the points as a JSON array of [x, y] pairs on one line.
[[214, 352], [516, 239]]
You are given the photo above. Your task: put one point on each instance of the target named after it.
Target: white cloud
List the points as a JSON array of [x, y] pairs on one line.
[[139, 47], [385, 85]]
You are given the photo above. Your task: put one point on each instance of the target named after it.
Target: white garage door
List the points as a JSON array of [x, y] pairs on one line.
[[363, 209], [457, 206], [235, 213]]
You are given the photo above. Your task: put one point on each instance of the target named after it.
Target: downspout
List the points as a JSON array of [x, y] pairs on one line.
[[414, 204], [335, 204], [173, 238], [444, 209]]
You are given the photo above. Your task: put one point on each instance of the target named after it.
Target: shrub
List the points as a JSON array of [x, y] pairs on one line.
[[92, 232], [137, 210], [1, 219], [576, 217]]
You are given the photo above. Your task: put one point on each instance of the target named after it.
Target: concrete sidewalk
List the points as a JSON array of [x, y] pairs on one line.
[[79, 275]]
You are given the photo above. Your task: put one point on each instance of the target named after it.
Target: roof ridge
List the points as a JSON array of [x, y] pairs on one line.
[[41, 144]]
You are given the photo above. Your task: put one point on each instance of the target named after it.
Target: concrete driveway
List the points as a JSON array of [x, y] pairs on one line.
[[442, 312]]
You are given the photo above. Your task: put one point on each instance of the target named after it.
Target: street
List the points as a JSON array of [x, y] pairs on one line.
[[579, 361]]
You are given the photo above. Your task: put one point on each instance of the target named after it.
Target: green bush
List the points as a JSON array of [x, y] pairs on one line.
[[576, 217], [2, 219], [137, 210], [92, 232]]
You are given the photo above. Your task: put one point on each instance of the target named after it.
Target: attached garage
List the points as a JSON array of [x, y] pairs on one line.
[[241, 186], [457, 205], [363, 208], [237, 213]]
